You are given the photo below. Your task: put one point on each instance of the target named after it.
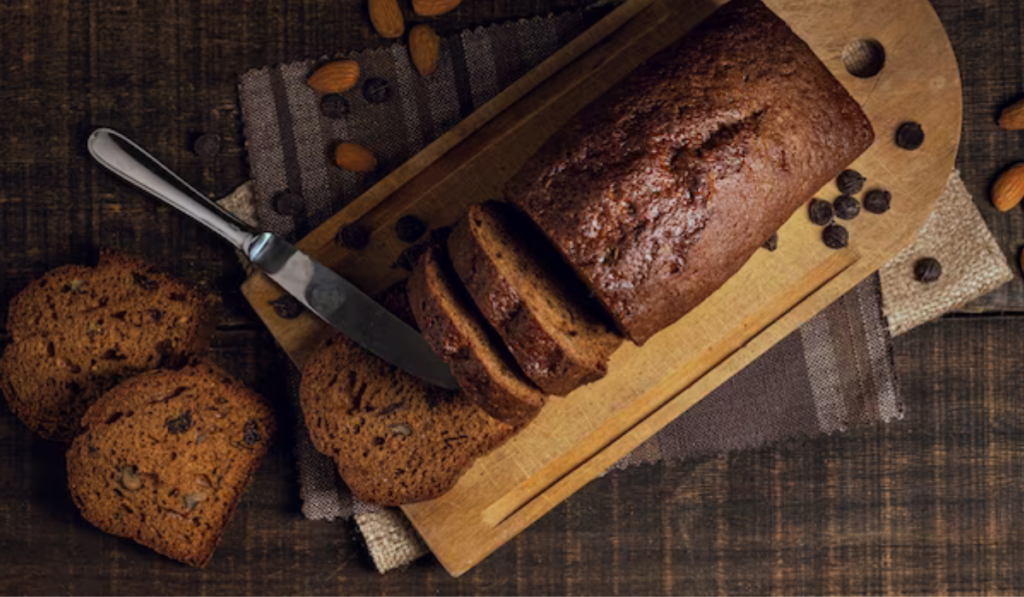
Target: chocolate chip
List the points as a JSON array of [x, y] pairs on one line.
[[250, 433], [387, 410], [820, 212], [287, 306], [180, 423], [289, 204], [910, 136], [847, 208], [145, 282], [207, 146], [130, 478], [378, 441], [354, 236], [334, 106], [850, 182], [409, 228], [927, 270], [407, 259], [835, 236], [376, 90], [877, 201], [772, 243]]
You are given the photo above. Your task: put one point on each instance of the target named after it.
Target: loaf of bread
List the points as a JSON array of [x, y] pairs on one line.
[[457, 332], [522, 288], [77, 331], [395, 438], [165, 457], [660, 190]]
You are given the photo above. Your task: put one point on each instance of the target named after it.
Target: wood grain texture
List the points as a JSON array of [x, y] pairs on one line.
[[574, 440], [925, 506]]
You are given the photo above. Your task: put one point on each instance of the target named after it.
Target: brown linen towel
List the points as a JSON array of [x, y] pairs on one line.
[[288, 142]]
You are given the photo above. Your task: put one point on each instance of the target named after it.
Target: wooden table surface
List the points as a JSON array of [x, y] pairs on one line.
[[929, 505]]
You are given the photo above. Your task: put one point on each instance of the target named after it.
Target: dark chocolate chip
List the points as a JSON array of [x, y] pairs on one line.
[[772, 243], [877, 201], [847, 208], [334, 106], [145, 282], [820, 211], [850, 182], [835, 236], [180, 423], [207, 146], [927, 270], [289, 204], [409, 228], [287, 306], [407, 259], [378, 441], [376, 90], [910, 136], [353, 236], [387, 410], [251, 433]]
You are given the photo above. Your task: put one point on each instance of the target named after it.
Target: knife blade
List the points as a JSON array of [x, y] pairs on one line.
[[328, 295]]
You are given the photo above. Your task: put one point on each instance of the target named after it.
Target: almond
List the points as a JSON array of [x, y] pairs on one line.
[[1009, 188], [432, 8], [354, 158], [386, 17], [335, 77], [425, 48], [1012, 118]]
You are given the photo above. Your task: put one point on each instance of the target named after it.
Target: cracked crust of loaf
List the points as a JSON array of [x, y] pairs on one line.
[[396, 439], [77, 331], [165, 457], [547, 322], [661, 189], [458, 334]]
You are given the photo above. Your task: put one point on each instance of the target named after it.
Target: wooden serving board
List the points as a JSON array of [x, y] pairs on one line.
[[578, 437]]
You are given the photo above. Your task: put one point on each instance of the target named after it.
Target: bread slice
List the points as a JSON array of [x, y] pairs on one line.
[[396, 439], [457, 332], [165, 457], [77, 331], [540, 310]]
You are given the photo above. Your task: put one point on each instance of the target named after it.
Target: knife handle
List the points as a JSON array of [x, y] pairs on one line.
[[123, 157]]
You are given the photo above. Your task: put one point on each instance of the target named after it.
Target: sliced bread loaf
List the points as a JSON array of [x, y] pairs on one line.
[[457, 332], [396, 439], [77, 331], [165, 456], [540, 310]]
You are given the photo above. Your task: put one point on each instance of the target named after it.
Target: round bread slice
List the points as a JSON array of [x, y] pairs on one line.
[[77, 331], [540, 310], [165, 457], [395, 438], [457, 332]]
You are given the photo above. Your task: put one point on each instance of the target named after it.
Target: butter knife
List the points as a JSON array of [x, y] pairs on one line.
[[330, 296]]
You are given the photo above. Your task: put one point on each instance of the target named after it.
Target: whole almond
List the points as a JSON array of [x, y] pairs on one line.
[[424, 48], [432, 8], [354, 158], [1009, 188], [335, 77], [387, 18], [1012, 118]]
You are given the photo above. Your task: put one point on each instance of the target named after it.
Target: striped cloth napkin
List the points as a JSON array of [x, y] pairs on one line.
[[835, 372]]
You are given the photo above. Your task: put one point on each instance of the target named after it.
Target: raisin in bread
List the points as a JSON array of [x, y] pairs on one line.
[[514, 278], [77, 331], [165, 457], [395, 438], [459, 335], [660, 190]]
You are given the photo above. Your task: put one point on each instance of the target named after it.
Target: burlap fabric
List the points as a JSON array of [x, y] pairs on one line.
[[796, 389]]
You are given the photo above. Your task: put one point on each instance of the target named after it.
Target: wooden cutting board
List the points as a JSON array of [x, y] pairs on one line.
[[578, 437]]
